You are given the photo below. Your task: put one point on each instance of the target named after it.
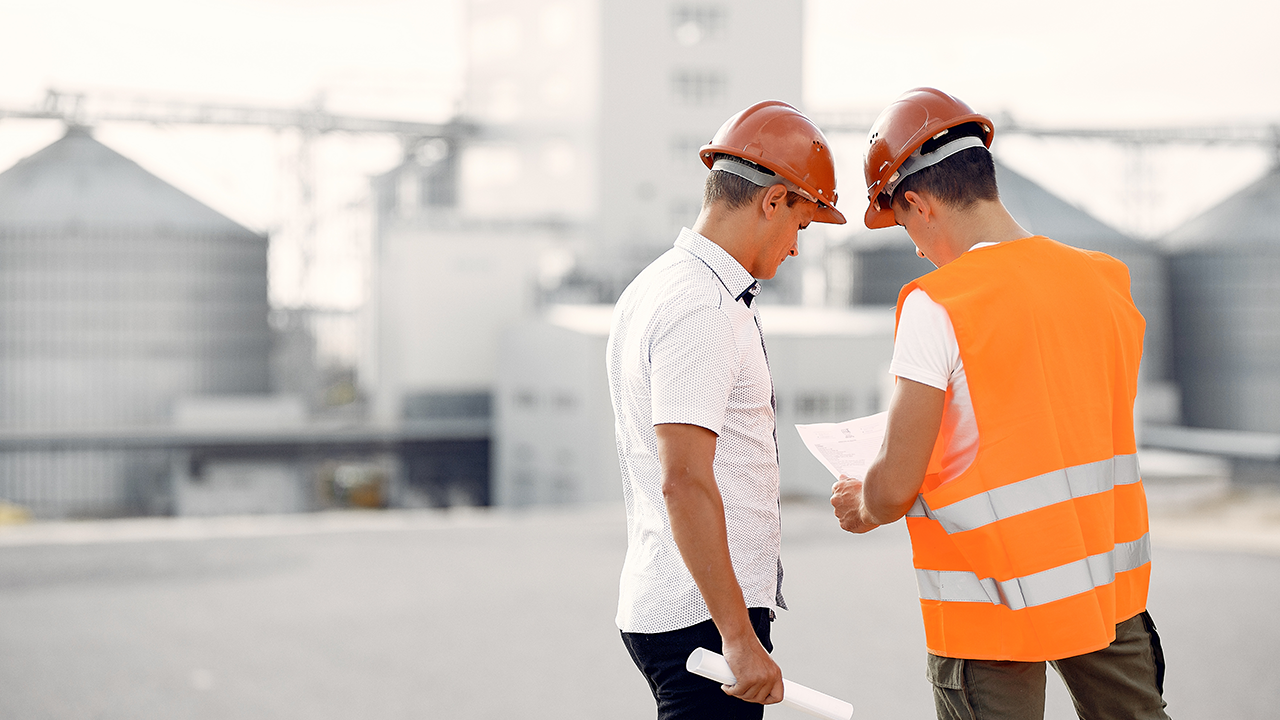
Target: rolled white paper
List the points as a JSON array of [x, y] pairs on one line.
[[713, 666]]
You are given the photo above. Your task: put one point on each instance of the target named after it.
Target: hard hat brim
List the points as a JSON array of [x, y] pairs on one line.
[[828, 214], [875, 218]]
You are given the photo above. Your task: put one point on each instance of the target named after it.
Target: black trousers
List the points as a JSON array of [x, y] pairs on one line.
[[681, 694]]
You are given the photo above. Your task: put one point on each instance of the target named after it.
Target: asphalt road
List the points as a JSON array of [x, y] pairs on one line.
[[471, 614]]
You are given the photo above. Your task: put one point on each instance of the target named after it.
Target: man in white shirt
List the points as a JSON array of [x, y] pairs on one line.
[[695, 419]]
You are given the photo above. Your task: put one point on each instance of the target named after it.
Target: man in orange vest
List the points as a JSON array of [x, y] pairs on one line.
[[1010, 443]]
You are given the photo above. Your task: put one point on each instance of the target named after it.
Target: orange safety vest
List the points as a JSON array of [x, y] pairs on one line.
[[1040, 547]]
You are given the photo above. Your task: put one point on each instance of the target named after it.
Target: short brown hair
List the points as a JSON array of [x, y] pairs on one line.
[[958, 181], [736, 192]]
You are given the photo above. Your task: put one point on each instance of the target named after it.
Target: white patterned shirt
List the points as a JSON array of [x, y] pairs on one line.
[[686, 347]]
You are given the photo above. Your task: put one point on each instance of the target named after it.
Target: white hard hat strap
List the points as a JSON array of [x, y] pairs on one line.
[[917, 162], [759, 177]]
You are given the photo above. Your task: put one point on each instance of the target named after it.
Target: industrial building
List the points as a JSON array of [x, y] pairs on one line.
[[1225, 297], [119, 294], [137, 357], [586, 167], [554, 428], [142, 370], [596, 110], [592, 112]]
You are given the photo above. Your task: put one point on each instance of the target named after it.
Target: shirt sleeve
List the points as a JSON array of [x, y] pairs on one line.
[[694, 364], [925, 348]]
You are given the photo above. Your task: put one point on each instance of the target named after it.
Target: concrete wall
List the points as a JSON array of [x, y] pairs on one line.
[[442, 300], [554, 427]]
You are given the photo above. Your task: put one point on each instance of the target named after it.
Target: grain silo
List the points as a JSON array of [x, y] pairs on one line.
[[1225, 280], [118, 294], [885, 259]]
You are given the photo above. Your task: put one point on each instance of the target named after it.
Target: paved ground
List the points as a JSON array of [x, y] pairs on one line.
[[471, 614]]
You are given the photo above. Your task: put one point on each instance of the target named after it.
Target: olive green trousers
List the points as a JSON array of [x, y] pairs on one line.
[[1123, 681]]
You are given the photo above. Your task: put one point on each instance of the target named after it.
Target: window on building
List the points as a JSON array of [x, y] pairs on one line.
[[698, 87], [525, 399], [565, 401], [693, 23], [822, 404]]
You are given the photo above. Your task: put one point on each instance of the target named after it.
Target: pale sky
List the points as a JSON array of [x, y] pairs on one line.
[[1088, 63]]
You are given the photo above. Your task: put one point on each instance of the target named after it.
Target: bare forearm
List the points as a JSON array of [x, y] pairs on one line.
[[896, 475], [894, 479], [888, 492], [696, 512]]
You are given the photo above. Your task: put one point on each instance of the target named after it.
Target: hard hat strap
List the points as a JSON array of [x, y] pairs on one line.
[[756, 176], [917, 161]]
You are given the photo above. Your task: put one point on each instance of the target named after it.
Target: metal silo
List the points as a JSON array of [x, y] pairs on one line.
[[885, 259], [118, 294], [1225, 279]]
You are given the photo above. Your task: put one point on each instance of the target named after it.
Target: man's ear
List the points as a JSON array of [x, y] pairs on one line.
[[919, 205], [771, 199]]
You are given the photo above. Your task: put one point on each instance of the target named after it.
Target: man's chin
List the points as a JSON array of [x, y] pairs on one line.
[[772, 274]]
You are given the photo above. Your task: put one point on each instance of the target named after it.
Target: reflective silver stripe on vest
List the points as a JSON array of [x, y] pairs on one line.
[[1031, 494], [1038, 588]]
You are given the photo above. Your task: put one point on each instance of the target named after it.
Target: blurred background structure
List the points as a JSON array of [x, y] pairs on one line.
[[122, 295], [417, 317]]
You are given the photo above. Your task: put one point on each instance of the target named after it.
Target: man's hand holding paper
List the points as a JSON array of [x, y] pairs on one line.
[[846, 498], [847, 449]]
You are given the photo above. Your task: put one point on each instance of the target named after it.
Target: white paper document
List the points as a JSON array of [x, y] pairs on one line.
[[846, 448], [713, 666]]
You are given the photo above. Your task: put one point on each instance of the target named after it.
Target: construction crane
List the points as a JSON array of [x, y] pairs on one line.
[[86, 110], [417, 139], [1264, 135]]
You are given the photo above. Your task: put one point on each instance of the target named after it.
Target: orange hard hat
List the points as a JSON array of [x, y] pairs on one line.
[[779, 138], [916, 117]]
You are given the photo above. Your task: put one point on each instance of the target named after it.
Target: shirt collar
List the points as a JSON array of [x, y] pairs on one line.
[[730, 272]]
